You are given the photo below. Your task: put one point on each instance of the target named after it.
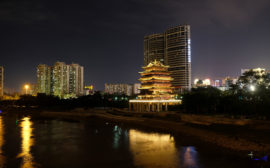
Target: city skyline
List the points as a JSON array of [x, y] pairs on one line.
[[226, 36]]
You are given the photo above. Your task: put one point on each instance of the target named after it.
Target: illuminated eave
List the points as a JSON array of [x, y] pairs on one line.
[[156, 77], [165, 71], [156, 68], [156, 81], [156, 101], [156, 97], [161, 89], [155, 88], [155, 72]]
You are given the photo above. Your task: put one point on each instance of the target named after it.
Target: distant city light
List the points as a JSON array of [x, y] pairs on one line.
[[196, 81], [206, 82]]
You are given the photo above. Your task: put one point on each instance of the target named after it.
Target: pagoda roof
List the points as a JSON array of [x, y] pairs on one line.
[[155, 64]]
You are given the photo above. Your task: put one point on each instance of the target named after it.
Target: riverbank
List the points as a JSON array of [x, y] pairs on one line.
[[240, 136]]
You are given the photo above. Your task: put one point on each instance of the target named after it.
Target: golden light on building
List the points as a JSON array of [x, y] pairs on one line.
[[27, 142], [156, 89], [207, 82], [2, 157], [90, 87], [150, 149]]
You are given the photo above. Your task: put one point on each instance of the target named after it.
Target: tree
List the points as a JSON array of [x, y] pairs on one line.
[[251, 80]]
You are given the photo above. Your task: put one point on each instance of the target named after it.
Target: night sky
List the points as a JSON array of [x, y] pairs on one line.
[[106, 36]]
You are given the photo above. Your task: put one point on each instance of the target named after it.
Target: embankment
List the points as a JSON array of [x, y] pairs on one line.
[[238, 135]]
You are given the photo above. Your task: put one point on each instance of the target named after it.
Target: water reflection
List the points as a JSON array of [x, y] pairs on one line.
[[190, 157], [153, 150], [117, 133], [2, 158], [27, 142]]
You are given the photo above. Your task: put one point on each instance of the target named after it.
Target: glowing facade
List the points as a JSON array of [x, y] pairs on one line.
[[119, 89], [156, 82], [44, 79], [136, 88], [156, 89], [76, 78], [60, 80]]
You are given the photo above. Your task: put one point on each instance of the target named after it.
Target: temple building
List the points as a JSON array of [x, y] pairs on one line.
[[156, 89]]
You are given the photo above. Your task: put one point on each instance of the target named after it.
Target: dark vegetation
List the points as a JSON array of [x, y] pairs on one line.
[[249, 97], [47, 102]]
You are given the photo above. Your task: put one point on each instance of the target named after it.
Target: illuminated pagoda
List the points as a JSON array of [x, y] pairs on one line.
[[156, 89]]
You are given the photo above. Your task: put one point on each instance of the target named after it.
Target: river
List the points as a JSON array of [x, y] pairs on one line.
[[28, 143]]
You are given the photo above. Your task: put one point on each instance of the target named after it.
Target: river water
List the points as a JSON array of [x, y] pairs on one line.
[[27, 143]]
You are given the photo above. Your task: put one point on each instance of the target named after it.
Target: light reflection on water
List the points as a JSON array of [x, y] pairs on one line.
[[190, 157], [27, 142], [94, 146], [2, 157], [152, 149]]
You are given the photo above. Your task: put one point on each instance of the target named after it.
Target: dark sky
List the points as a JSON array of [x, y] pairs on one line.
[[106, 36]]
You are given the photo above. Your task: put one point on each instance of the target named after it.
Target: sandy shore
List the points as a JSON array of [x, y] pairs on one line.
[[244, 138]]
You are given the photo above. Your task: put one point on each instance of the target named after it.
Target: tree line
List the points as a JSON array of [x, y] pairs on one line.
[[250, 96], [50, 102]]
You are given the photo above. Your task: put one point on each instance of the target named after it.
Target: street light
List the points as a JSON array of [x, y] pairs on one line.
[[26, 87], [252, 88]]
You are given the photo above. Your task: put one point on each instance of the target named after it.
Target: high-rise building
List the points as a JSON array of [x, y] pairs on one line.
[[1, 81], [154, 46], [119, 89], [136, 88], [228, 81], [44, 79], [61, 80], [173, 48], [76, 79]]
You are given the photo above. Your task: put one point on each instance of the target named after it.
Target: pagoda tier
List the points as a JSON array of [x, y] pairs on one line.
[[156, 82], [154, 73], [162, 78], [156, 89]]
